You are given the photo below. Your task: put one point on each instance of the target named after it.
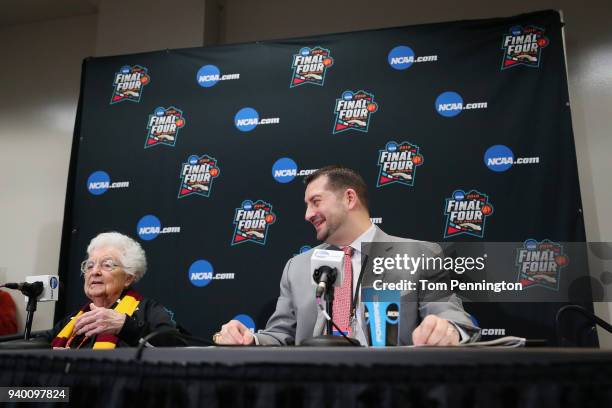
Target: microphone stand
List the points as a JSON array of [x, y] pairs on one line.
[[329, 306], [328, 339], [32, 292], [592, 318]]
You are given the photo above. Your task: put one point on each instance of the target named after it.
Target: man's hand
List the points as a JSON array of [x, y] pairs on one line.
[[435, 331], [99, 320], [234, 332]]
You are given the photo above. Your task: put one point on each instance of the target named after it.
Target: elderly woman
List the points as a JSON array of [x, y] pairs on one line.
[[117, 316]]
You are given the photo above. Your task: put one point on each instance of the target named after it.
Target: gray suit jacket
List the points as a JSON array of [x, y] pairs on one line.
[[297, 316]]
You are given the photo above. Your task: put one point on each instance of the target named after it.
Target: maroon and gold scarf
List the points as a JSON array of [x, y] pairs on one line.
[[126, 305]]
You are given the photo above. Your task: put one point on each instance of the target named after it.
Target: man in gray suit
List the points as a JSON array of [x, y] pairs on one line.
[[337, 206]]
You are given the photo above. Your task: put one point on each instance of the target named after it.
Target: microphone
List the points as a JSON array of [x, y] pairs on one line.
[[327, 266], [29, 289], [42, 287], [327, 271], [325, 275]]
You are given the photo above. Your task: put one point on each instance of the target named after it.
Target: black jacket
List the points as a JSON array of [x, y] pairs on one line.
[[148, 317]]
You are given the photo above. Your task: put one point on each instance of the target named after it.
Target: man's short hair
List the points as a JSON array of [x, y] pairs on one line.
[[339, 178]]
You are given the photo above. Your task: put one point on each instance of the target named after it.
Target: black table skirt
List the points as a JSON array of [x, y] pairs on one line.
[[295, 377]]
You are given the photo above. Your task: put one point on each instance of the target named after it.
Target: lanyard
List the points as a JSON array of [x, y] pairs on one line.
[[358, 286]]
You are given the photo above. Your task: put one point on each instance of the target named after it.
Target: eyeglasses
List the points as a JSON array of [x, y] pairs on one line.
[[106, 264]]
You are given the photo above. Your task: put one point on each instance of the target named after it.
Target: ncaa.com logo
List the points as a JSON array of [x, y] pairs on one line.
[[99, 182], [209, 75], [499, 158], [284, 170], [149, 227], [248, 119], [402, 57], [201, 273], [449, 104]]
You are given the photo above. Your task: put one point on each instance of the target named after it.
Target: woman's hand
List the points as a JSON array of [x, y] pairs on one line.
[[99, 320]]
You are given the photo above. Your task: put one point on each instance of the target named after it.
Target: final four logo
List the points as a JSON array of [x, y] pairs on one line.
[[523, 46], [540, 263], [163, 126], [252, 221], [398, 164], [310, 66], [353, 111], [466, 213], [197, 176], [128, 84]]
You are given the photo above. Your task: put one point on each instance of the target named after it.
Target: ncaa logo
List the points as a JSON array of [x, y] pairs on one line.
[[197, 176], [401, 57], [284, 170], [523, 46], [53, 282], [252, 220], [398, 163], [163, 126], [246, 119], [148, 227], [246, 320], [467, 213], [499, 158], [353, 111], [200, 273], [128, 84], [540, 264], [98, 182], [208, 76], [310, 66], [531, 244], [449, 104]]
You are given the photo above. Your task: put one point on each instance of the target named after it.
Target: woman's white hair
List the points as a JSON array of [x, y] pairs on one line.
[[132, 256]]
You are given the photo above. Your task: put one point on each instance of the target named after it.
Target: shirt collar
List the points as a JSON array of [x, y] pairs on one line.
[[367, 236]]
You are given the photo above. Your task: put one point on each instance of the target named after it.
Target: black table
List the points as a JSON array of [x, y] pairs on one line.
[[319, 377]]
